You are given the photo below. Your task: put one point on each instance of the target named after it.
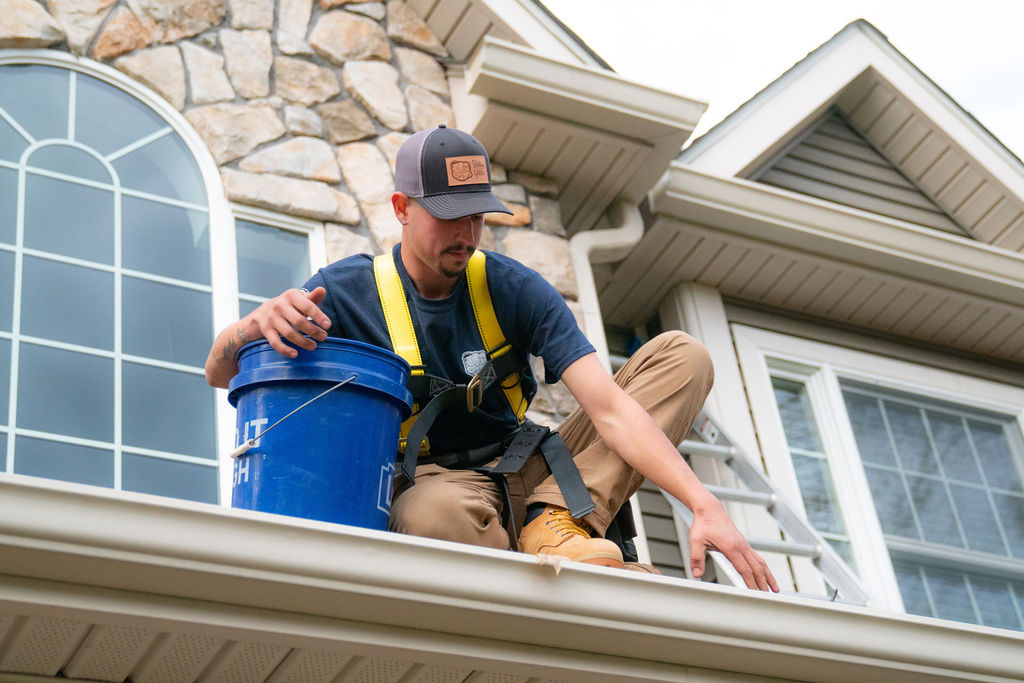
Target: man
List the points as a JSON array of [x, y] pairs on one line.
[[624, 430]]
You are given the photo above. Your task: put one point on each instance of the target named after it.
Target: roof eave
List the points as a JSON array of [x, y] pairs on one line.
[[143, 561]]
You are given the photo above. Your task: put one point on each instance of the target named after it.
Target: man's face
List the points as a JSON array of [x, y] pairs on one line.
[[444, 246]]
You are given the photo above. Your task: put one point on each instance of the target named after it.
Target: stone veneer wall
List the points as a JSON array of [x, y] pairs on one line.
[[304, 106]]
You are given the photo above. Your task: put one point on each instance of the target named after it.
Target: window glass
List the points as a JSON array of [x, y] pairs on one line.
[[1010, 511], [891, 502], [108, 119], [166, 240], [6, 290], [70, 160], [975, 511], [949, 505], [3, 452], [247, 307], [950, 588], [995, 602], [120, 172], [810, 463], [168, 410], [64, 461], [951, 439], [80, 224], [67, 303], [909, 438], [948, 593], [1002, 470], [166, 322], [270, 260], [8, 204], [12, 144], [162, 167], [37, 98], [934, 511], [801, 432], [63, 392], [5, 380], [872, 439], [169, 478]]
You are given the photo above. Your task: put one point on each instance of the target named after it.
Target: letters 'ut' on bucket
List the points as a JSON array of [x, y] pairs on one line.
[[333, 459]]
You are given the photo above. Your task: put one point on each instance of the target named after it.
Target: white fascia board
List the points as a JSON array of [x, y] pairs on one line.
[[770, 117], [593, 97], [779, 218], [806, 90], [534, 27], [66, 546]]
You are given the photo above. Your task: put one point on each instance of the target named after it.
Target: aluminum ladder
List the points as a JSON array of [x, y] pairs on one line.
[[801, 539]]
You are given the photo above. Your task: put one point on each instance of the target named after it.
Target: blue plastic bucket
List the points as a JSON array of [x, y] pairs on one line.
[[334, 459]]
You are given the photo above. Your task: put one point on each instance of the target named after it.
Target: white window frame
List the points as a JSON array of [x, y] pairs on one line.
[[821, 366], [225, 282]]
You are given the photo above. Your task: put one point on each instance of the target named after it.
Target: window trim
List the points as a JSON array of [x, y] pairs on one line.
[[758, 351]]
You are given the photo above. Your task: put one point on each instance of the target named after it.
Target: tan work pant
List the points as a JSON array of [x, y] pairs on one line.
[[670, 377]]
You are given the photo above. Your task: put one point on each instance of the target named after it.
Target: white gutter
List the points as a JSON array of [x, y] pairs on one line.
[[607, 246], [82, 553]]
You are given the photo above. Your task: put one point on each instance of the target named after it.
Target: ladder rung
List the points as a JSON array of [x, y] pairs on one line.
[[714, 450], [768, 545], [742, 495]]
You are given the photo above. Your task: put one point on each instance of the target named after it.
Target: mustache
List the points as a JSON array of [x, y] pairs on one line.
[[457, 247]]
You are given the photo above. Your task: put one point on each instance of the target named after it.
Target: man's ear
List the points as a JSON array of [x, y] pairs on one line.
[[400, 203]]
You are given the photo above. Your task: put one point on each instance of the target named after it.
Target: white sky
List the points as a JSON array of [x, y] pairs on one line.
[[724, 51]]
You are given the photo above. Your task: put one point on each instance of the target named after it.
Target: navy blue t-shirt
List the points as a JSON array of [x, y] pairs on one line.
[[531, 313]]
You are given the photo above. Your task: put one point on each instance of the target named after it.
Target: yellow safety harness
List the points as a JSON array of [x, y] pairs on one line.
[[432, 395], [501, 362]]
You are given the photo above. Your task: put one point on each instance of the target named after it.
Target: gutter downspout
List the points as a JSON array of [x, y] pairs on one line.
[[602, 246], [607, 246]]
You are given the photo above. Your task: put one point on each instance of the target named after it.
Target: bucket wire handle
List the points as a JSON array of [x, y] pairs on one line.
[[241, 450]]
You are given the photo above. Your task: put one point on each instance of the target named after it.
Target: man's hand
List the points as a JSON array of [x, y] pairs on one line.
[[713, 530], [292, 315]]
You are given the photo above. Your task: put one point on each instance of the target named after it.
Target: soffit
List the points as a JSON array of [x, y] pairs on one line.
[[916, 126], [600, 136], [461, 26], [775, 248], [98, 585]]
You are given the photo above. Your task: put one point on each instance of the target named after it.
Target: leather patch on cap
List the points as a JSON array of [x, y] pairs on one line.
[[468, 170]]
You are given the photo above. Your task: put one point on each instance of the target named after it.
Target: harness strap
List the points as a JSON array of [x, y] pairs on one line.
[[400, 327], [444, 394], [490, 330]]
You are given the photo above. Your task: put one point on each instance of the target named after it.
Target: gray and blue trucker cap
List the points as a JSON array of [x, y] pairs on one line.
[[448, 172]]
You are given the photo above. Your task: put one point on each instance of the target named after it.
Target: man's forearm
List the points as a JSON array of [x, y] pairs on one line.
[[221, 364]]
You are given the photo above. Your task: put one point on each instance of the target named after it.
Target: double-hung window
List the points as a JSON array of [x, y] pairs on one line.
[[914, 473]]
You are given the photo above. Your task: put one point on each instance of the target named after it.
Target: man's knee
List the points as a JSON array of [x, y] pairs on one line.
[[676, 348], [441, 510]]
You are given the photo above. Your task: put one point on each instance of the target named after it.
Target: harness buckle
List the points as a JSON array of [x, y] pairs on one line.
[[474, 393]]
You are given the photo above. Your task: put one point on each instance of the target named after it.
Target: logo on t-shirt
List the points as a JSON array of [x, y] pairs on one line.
[[473, 361]]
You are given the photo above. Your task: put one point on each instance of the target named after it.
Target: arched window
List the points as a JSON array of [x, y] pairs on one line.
[[106, 297]]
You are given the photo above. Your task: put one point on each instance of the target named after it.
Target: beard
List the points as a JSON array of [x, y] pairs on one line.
[[456, 272]]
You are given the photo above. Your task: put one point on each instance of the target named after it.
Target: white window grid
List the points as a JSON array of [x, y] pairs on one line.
[[820, 367], [11, 430]]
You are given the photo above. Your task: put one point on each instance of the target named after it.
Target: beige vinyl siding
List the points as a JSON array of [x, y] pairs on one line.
[[835, 163]]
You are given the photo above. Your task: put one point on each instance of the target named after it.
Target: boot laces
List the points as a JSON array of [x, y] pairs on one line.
[[564, 523]]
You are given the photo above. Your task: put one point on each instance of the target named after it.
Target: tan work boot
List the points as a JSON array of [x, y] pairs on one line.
[[555, 532]]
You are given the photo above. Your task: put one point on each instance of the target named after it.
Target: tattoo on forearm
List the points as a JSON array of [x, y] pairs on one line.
[[228, 352]]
